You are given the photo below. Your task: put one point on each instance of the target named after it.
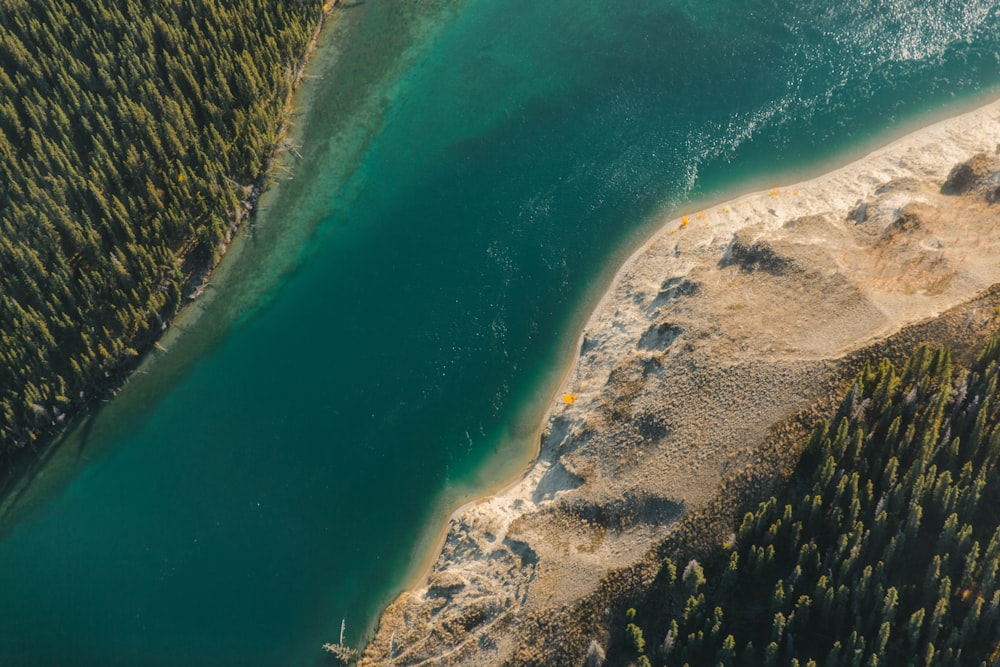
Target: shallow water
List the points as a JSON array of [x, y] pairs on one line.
[[470, 174]]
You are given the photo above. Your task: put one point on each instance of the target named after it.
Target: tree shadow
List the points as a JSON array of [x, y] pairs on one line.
[[22, 467]]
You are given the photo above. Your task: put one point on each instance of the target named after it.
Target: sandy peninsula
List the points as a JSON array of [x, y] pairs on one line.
[[725, 323]]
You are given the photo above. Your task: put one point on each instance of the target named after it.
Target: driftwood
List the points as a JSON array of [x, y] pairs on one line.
[[344, 653]]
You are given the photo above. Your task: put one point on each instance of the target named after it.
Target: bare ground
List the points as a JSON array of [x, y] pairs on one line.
[[718, 341]]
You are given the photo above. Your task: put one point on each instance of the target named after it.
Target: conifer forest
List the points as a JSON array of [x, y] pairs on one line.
[[132, 136], [883, 548]]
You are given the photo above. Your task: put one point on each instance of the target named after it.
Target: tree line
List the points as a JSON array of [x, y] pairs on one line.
[[130, 133], [883, 548]]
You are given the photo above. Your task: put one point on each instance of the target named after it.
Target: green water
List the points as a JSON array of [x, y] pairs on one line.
[[470, 173]]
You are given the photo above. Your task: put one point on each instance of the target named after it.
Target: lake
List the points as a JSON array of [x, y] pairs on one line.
[[387, 340]]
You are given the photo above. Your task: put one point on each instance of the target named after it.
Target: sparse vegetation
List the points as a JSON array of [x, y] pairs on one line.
[[884, 547]]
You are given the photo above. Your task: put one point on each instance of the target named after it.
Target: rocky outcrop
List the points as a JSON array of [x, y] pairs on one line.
[[723, 324]]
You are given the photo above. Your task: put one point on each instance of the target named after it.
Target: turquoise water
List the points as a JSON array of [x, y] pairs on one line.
[[471, 173]]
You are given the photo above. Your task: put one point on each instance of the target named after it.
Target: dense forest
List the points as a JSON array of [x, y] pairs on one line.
[[882, 549], [132, 134]]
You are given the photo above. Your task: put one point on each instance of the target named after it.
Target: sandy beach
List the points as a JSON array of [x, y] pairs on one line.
[[723, 323]]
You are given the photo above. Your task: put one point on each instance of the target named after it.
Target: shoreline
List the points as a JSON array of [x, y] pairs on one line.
[[441, 512], [18, 492], [247, 210], [672, 224], [927, 153]]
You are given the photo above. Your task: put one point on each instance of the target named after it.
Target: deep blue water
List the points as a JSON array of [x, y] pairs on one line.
[[471, 172]]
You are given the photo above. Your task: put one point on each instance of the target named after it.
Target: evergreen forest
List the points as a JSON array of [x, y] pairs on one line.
[[882, 549], [133, 136]]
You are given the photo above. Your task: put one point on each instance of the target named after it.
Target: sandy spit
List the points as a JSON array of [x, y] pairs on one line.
[[721, 324]]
